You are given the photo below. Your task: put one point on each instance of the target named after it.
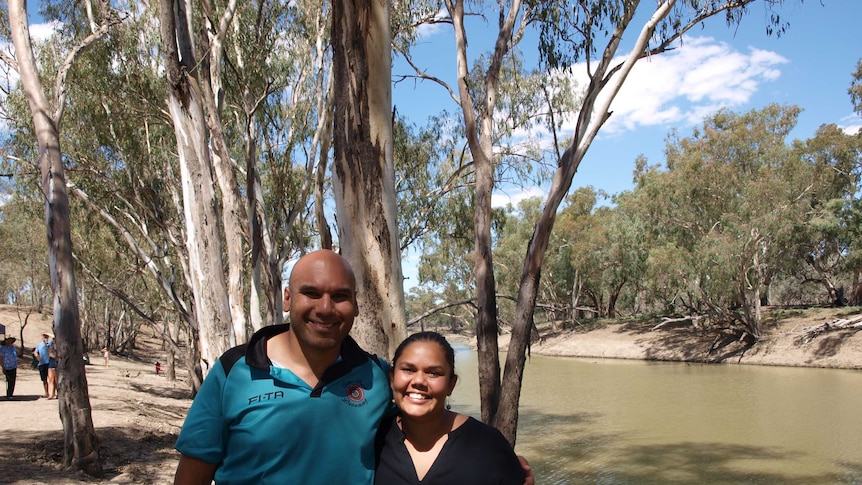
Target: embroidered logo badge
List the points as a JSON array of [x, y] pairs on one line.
[[355, 395]]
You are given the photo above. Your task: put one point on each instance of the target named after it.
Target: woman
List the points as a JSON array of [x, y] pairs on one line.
[[52, 371], [429, 444]]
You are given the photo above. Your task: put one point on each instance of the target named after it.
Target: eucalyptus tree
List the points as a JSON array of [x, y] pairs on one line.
[[561, 268], [121, 179], [501, 79], [79, 438], [600, 252], [363, 169], [828, 241], [243, 81], [24, 278], [192, 92], [855, 90], [430, 167], [121, 172], [724, 216], [665, 23]]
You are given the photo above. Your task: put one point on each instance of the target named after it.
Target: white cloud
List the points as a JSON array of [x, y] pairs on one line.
[[43, 31], [499, 199], [38, 34], [425, 31], [687, 84], [852, 128]]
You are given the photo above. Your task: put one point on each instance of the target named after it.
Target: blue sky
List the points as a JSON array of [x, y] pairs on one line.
[[739, 68], [810, 65]]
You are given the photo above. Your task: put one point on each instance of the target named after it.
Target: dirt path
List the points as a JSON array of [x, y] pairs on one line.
[[137, 416]]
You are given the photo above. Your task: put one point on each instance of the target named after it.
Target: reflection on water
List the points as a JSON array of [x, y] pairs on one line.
[[621, 422]]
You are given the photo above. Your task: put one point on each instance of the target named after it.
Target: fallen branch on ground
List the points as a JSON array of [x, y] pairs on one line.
[[810, 333], [688, 318]]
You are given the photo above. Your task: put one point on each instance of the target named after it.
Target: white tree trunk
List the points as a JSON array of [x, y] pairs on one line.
[[203, 243], [363, 170], [200, 206]]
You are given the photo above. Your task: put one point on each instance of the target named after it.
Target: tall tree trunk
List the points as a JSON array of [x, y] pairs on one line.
[[186, 105], [80, 444], [363, 169], [234, 214], [481, 147]]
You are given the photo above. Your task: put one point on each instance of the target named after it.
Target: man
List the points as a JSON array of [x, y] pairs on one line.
[[302, 405], [10, 364], [41, 354]]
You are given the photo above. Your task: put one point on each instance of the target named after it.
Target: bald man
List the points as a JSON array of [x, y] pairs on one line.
[[303, 402]]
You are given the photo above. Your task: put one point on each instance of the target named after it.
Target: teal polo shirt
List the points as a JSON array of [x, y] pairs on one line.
[[262, 424]]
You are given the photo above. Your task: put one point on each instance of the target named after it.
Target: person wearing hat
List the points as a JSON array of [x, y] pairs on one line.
[[10, 364], [42, 355]]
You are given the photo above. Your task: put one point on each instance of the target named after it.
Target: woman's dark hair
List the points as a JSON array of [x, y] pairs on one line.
[[428, 337]]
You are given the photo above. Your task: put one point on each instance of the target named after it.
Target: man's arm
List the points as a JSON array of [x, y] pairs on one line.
[[192, 471]]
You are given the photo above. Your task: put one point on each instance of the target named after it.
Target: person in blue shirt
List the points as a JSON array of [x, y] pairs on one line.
[[304, 402], [42, 354], [10, 364]]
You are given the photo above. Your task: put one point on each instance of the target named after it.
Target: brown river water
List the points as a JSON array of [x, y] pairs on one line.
[[595, 421]]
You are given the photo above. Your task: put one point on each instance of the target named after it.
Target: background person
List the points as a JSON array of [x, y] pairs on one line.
[[429, 444], [40, 355], [52, 371], [10, 364]]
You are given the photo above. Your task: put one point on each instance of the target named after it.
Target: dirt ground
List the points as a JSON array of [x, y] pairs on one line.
[[137, 414]]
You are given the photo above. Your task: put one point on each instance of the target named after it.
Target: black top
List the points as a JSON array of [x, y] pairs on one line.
[[474, 454]]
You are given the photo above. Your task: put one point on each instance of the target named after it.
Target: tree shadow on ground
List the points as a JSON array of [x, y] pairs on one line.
[[127, 454], [831, 344], [21, 397], [160, 391], [695, 345]]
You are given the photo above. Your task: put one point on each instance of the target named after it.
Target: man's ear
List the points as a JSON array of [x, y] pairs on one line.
[[286, 298]]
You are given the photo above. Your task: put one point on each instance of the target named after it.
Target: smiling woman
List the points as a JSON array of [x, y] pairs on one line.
[[427, 442]]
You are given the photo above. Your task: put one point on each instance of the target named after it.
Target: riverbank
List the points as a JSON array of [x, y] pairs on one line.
[[787, 341]]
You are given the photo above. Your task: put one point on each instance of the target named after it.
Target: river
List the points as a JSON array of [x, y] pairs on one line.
[[595, 421]]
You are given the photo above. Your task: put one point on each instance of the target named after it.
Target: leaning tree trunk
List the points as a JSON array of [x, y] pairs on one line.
[[593, 114], [80, 444], [363, 169]]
